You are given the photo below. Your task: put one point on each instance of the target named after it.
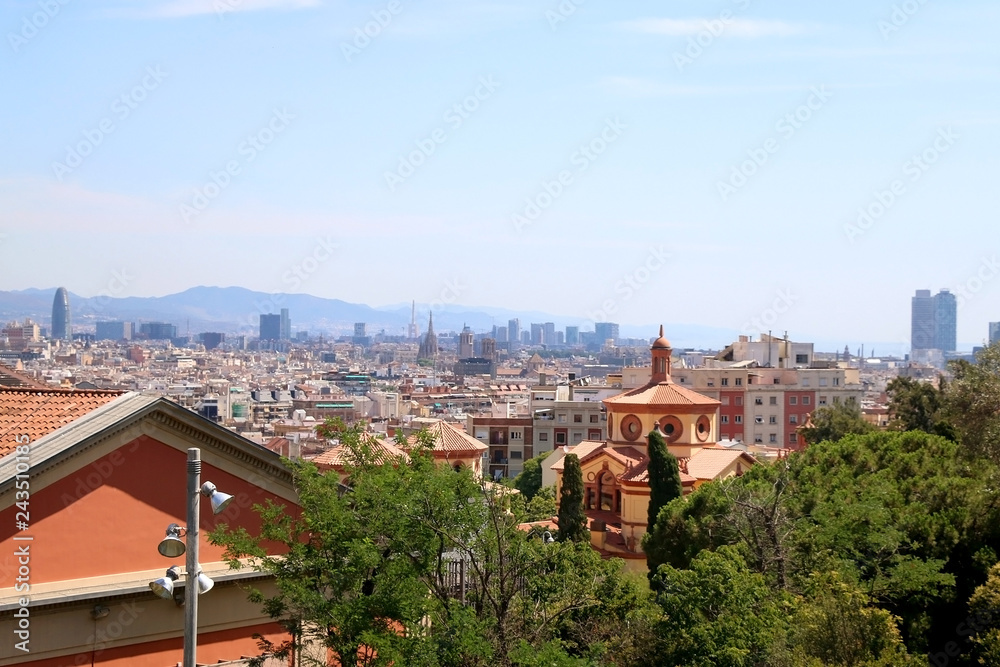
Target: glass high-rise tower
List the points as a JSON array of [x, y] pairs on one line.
[[934, 321], [945, 321], [61, 328]]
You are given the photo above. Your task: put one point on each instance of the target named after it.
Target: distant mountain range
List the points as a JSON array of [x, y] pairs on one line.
[[237, 310]]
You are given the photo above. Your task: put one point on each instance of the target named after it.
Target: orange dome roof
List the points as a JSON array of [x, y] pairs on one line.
[[661, 343]]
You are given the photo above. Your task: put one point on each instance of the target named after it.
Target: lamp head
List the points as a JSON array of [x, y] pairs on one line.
[[205, 583], [172, 545], [164, 586], [220, 501]]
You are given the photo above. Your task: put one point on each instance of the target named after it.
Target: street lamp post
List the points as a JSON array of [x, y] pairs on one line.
[[172, 546], [191, 563]]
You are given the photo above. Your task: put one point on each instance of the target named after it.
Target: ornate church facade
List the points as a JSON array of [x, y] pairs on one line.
[[616, 482]]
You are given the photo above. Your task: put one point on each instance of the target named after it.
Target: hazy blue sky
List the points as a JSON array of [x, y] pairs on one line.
[[697, 162]]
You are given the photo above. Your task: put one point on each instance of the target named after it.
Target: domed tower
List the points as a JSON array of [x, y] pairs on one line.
[[689, 420], [661, 358]]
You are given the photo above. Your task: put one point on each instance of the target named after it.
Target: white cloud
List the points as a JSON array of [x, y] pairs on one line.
[[737, 27], [184, 8]]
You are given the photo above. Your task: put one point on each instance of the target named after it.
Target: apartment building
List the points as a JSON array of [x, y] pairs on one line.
[[569, 414], [767, 405], [558, 415], [509, 440]]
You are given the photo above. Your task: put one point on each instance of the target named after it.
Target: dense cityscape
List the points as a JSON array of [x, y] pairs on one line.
[[281, 382], [520, 409], [499, 333]]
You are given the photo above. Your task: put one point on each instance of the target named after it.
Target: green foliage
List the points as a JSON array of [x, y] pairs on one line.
[[835, 624], [983, 623], [914, 405], [664, 476], [664, 487], [364, 572], [833, 422], [718, 613], [572, 520], [690, 525], [899, 515], [539, 508], [529, 482], [972, 402]]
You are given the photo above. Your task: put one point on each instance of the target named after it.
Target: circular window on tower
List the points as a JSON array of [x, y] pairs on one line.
[[672, 427], [631, 428], [703, 427]]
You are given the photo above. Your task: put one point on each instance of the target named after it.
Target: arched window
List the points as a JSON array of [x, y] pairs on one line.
[[606, 492]]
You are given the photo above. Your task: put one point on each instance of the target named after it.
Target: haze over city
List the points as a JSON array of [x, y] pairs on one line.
[[692, 163]]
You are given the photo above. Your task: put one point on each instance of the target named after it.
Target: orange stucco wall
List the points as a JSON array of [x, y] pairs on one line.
[[109, 516], [213, 647]]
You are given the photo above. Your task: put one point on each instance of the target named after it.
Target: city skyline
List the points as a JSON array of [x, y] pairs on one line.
[[634, 164], [930, 326]]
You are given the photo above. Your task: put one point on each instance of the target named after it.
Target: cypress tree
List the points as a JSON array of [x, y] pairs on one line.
[[572, 520], [664, 477]]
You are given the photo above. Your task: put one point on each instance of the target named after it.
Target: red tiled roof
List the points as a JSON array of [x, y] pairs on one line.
[[11, 377], [339, 456], [582, 451], [708, 463], [448, 438], [38, 412], [661, 393]]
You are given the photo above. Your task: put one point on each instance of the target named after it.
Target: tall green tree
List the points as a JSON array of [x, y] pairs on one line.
[[833, 422], [664, 476], [529, 481], [572, 520], [914, 405], [664, 486]]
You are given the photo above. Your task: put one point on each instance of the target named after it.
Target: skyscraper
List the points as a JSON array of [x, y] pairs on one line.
[[513, 333], [549, 333], [945, 321], [572, 335], [270, 326], [606, 331], [537, 333], [286, 326], [114, 331], [61, 327], [922, 320], [994, 332], [934, 321]]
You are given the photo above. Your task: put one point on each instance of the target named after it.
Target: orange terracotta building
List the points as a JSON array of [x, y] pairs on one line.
[[616, 482], [88, 483]]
